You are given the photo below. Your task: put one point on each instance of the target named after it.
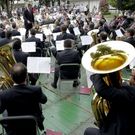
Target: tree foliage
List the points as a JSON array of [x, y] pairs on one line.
[[103, 6], [123, 4]]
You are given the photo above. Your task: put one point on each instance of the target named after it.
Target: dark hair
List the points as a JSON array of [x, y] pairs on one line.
[[33, 32], [17, 44], [13, 25], [19, 73], [8, 34], [131, 32], [103, 35], [63, 28], [68, 43]]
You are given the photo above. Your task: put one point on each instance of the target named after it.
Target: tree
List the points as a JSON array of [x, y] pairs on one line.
[[103, 6], [123, 4], [7, 5]]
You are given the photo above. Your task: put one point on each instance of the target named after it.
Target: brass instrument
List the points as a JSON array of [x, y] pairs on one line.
[[112, 77], [6, 62], [101, 106], [95, 38]]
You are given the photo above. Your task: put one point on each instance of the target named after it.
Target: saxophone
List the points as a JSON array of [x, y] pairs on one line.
[[6, 63]]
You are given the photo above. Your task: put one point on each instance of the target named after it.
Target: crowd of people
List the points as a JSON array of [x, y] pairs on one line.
[[23, 99]]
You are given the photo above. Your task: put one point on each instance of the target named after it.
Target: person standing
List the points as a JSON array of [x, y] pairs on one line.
[[28, 19]]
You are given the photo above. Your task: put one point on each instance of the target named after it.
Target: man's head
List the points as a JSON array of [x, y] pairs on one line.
[[14, 25], [68, 43], [33, 32], [130, 32], [17, 44], [19, 73], [103, 36], [63, 28], [29, 6]]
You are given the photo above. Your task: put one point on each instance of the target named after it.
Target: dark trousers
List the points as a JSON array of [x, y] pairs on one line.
[[27, 34], [56, 75], [92, 131]]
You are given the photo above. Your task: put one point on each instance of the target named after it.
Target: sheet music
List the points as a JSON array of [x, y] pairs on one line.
[[22, 31], [60, 45], [28, 46], [68, 31], [86, 40], [119, 33], [55, 35], [40, 36], [47, 31], [20, 37], [76, 31], [39, 64], [51, 26]]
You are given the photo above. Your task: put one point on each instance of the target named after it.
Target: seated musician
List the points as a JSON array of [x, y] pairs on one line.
[[68, 55], [22, 99]]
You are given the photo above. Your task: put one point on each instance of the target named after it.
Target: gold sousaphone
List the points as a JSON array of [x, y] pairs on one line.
[[6, 63], [107, 58]]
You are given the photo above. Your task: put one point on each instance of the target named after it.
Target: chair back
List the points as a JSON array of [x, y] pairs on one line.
[[19, 125], [69, 71]]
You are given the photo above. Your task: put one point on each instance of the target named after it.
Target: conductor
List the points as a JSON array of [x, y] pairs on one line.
[[28, 19]]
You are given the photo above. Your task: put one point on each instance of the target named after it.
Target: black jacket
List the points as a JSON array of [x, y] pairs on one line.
[[15, 33], [64, 36], [121, 117], [20, 56], [23, 100], [28, 16], [130, 40]]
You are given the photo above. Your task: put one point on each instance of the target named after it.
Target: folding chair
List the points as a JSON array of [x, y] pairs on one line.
[[19, 125], [69, 72]]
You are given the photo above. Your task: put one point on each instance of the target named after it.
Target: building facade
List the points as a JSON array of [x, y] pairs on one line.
[[92, 4]]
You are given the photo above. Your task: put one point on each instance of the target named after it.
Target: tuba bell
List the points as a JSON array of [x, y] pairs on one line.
[[6, 63], [110, 66]]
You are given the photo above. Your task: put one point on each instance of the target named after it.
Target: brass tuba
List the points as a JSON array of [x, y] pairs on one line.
[[95, 38], [6, 62], [101, 106], [112, 77]]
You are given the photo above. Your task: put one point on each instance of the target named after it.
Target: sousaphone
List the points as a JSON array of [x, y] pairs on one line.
[[107, 58]]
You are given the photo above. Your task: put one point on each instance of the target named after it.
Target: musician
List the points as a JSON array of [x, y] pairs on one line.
[[121, 116], [14, 31], [130, 36], [28, 19], [64, 34], [19, 55], [103, 37], [68, 55], [132, 78], [22, 99]]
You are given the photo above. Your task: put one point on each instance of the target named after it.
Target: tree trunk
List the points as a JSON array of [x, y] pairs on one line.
[[8, 8]]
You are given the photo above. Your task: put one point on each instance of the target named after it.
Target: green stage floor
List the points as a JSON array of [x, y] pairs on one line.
[[67, 111]]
